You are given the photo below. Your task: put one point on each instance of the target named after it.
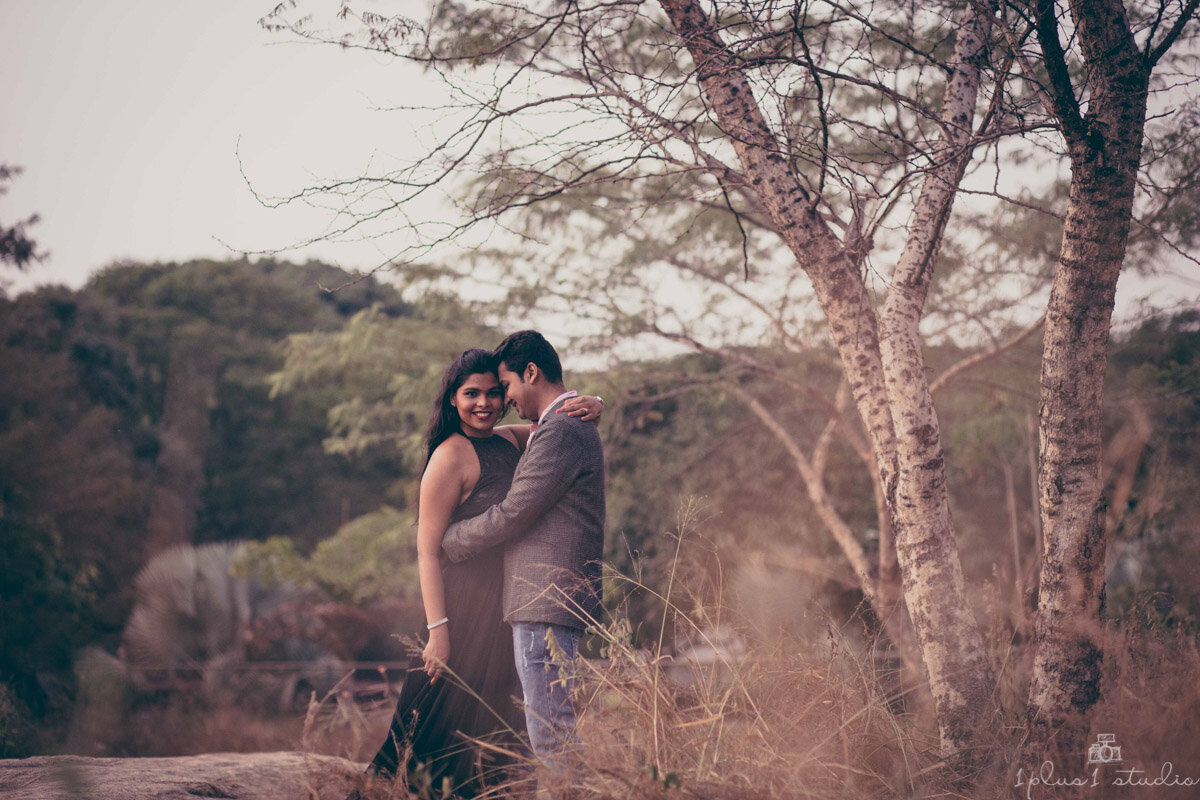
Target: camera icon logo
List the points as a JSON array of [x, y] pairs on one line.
[[1104, 750]]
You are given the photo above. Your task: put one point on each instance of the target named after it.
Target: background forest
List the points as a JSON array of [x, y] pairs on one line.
[[169, 408]]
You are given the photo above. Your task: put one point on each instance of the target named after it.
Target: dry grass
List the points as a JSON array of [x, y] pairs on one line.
[[777, 728], [775, 724], [783, 720], [1151, 697]]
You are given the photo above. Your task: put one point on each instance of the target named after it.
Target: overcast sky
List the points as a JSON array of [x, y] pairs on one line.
[[129, 116]]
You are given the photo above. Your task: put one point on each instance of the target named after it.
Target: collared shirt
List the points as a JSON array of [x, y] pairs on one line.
[[534, 426]]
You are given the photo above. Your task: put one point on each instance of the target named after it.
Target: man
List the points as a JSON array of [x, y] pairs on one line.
[[552, 524]]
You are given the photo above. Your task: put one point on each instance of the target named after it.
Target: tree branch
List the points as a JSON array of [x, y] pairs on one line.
[[849, 544], [976, 359], [1185, 16], [1062, 101]]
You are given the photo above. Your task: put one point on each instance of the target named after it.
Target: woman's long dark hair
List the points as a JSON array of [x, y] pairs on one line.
[[445, 422]]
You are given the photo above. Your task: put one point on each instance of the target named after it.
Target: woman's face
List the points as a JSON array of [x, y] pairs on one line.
[[479, 402]]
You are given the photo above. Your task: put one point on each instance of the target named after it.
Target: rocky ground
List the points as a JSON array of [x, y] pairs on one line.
[[234, 776]]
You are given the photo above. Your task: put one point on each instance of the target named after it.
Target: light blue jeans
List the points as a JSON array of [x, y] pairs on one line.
[[547, 678]]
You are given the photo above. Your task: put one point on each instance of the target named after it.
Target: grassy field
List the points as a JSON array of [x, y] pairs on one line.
[[822, 717]]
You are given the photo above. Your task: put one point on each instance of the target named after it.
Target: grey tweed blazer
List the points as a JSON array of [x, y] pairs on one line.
[[552, 524]]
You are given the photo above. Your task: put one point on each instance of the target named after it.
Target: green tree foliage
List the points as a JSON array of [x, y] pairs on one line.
[[46, 611], [370, 559], [243, 308], [264, 471], [384, 373], [17, 248], [73, 443], [82, 428]]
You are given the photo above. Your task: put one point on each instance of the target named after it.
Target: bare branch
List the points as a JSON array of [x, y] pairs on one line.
[[851, 548], [1062, 101], [982, 356], [1185, 16]]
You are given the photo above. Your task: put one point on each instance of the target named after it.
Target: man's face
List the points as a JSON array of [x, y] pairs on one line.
[[518, 393]]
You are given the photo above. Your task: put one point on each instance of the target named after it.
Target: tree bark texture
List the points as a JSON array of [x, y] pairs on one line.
[[925, 546], [890, 386], [1105, 151]]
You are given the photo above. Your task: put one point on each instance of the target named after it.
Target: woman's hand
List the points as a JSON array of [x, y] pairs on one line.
[[586, 407], [437, 652]]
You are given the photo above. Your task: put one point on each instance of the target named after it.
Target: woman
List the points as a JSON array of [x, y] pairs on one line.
[[464, 693]]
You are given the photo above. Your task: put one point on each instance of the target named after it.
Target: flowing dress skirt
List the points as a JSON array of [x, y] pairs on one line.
[[437, 728]]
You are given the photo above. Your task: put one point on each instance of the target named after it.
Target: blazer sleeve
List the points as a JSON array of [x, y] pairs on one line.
[[543, 476]]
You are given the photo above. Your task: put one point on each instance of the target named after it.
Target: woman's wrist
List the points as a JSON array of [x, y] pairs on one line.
[[437, 623]]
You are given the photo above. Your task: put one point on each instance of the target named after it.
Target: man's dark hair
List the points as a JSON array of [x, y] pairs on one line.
[[525, 347]]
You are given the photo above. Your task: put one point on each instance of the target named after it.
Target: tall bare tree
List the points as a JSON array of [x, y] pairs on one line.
[[881, 354], [1096, 89], [731, 104]]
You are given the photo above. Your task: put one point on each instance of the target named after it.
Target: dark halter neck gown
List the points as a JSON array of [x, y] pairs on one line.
[[434, 725]]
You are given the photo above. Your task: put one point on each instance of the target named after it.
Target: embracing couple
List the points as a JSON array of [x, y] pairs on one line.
[[510, 533]]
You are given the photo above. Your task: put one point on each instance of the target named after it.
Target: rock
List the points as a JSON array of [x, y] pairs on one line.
[[225, 776]]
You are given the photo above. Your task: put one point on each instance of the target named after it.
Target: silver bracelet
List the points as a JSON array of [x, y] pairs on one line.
[[441, 621]]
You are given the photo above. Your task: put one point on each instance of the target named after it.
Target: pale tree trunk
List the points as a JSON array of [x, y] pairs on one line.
[[924, 534], [839, 288], [894, 402], [1105, 150]]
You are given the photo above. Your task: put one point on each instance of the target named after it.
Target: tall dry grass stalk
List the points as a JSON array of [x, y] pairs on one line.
[[769, 723], [774, 721], [786, 719]]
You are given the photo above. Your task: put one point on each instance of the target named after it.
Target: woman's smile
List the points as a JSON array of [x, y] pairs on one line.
[[479, 402]]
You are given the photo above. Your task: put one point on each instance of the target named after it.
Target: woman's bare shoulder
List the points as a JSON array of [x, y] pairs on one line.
[[454, 452]]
